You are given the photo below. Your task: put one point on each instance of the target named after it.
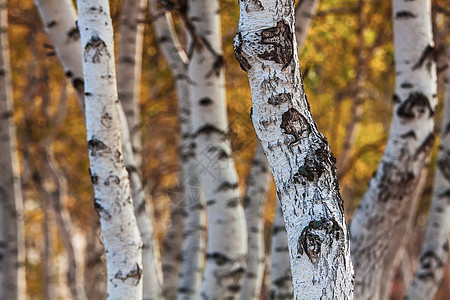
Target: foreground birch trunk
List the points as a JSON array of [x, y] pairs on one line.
[[193, 201], [386, 203], [226, 237], [435, 250], [113, 200], [12, 246], [255, 197], [298, 154], [280, 268]]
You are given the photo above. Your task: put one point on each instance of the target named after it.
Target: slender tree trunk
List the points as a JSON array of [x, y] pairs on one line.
[[280, 269], [48, 253], [255, 197], [390, 191], [304, 14], [113, 200], [435, 249], [227, 237], [193, 201], [12, 243], [129, 67], [94, 276], [298, 154]]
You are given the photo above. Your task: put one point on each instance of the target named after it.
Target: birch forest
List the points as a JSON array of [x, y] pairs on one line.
[[206, 149]]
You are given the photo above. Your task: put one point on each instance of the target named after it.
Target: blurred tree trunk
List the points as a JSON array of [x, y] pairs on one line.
[[435, 249], [12, 243], [113, 202], [299, 155], [193, 248], [280, 268], [226, 236], [94, 275], [305, 12], [382, 211], [255, 196]]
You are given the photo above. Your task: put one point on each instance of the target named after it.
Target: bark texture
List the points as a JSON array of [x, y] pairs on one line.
[[113, 200], [12, 243], [298, 154], [435, 250], [193, 201], [386, 203], [280, 268], [129, 67], [255, 197], [226, 237]]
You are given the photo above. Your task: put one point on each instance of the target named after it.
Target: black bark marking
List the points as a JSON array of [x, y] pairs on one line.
[[233, 202], [134, 274], [396, 99], [317, 233], [444, 165], [78, 84], [210, 129], [395, 182], [210, 202], [407, 85], [426, 145], [280, 99], [405, 15], [427, 54], [281, 47], [429, 262], [205, 101], [95, 145], [218, 65], [95, 49], [410, 134], [219, 259], [112, 179], [101, 211], [312, 168], [225, 186], [415, 106], [74, 34], [243, 62], [94, 177], [295, 124], [6, 115]]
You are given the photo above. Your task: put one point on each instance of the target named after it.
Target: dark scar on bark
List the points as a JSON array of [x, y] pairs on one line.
[[243, 62], [94, 177], [427, 54], [95, 145], [414, 106], [101, 211], [280, 99], [74, 33], [312, 168], [253, 5], [280, 44], [444, 165], [405, 15], [295, 124], [95, 49]]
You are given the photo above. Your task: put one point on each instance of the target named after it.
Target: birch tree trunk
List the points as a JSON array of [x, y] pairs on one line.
[[129, 68], [226, 237], [280, 268], [298, 154], [390, 191], [193, 201], [12, 244], [435, 249], [113, 200], [304, 14], [255, 197]]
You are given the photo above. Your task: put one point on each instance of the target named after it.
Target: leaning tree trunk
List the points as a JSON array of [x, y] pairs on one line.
[[193, 202], [226, 237], [113, 200], [12, 239], [435, 249], [298, 154], [304, 14], [385, 205], [280, 269], [255, 197]]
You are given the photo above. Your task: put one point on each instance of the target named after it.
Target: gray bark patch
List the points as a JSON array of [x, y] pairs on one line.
[[280, 99], [280, 44]]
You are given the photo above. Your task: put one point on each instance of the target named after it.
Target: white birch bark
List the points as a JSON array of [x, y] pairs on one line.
[[435, 249], [226, 237], [12, 243], [280, 268], [255, 197], [59, 19], [129, 67], [298, 154], [113, 200], [390, 191], [193, 201], [304, 14]]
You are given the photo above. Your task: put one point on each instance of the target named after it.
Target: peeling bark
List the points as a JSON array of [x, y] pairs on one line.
[[255, 197], [298, 154], [113, 200], [12, 239], [390, 191], [435, 249]]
